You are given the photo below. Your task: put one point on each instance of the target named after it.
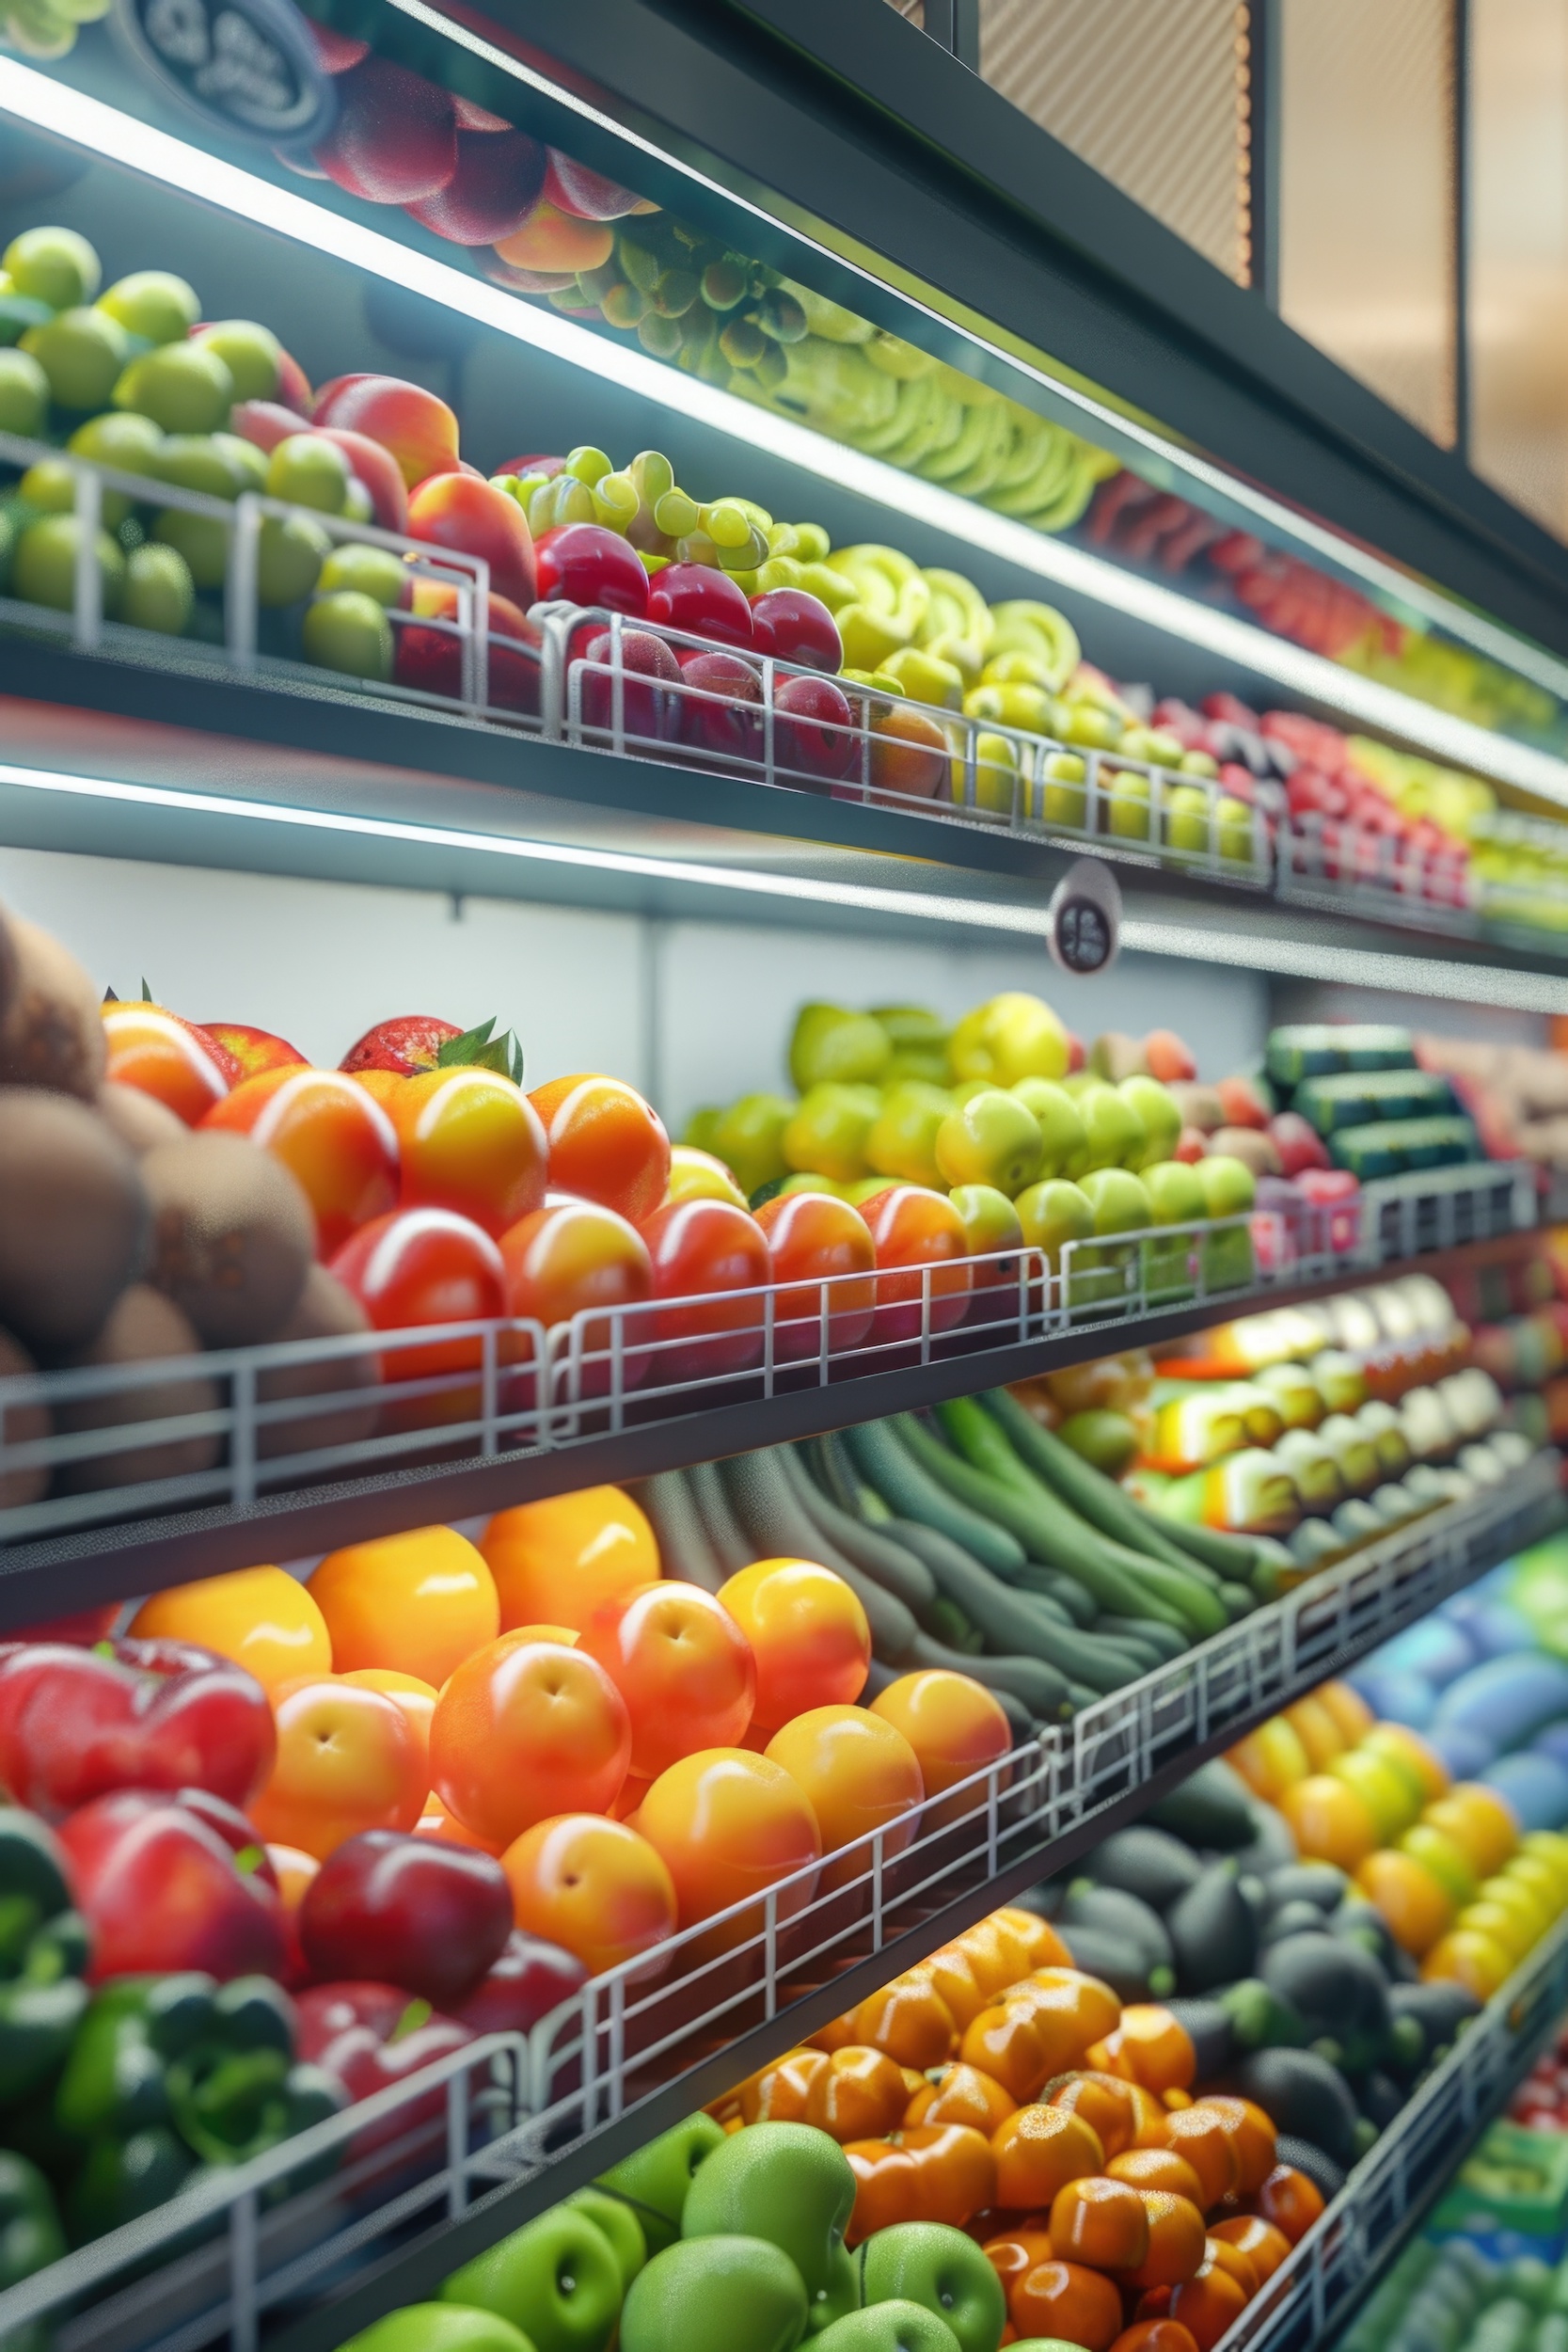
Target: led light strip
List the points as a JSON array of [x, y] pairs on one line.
[[1093, 416], [37, 98], [1524, 992]]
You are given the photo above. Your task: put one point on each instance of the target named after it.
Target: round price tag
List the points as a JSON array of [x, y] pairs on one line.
[[246, 66], [1085, 916]]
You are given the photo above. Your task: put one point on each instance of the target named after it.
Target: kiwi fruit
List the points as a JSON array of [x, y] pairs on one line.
[[327, 1311], [232, 1236], [143, 1327], [51, 1026], [21, 1425], [138, 1118], [73, 1221]]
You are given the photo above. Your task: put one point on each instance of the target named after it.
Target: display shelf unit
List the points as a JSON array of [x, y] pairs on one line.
[[417, 2180], [302, 1446]]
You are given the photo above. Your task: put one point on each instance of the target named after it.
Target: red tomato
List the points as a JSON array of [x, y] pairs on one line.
[[329, 1134], [818, 1240], [575, 1258], [470, 1141], [700, 1249], [913, 1228], [426, 1266]]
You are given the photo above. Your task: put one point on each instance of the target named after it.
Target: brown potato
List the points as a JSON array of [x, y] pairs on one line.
[[73, 1219]]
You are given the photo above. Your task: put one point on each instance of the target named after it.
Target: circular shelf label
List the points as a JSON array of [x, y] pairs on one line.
[[246, 66]]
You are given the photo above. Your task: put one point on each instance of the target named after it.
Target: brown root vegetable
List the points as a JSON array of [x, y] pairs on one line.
[[21, 1425], [143, 1327], [73, 1219], [1116, 1056], [233, 1236], [1200, 1105], [139, 1119], [1251, 1146], [52, 1032], [325, 1311]]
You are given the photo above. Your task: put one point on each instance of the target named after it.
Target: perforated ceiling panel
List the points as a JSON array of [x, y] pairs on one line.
[[1153, 93]]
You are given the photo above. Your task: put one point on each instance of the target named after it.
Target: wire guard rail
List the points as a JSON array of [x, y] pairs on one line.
[[85, 1447], [273, 2237]]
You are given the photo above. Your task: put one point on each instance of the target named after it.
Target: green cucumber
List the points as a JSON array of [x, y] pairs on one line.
[[1089, 1492], [1011, 1620], [731, 1546], [1045, 1692], [896, 1570], [684, 1549], [887, 1466], [765, 1505]]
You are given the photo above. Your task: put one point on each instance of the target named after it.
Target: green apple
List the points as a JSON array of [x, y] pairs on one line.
[[1121, 1205], [1052, 1214], [614, 2219], [654, 2179], [439, 2327], [891, 2324], [787, 2183], [378, 572], [183, 386], [1113, 1132], [944, 2271], [159, 591], [153, 304], [1009, 1037], [358, 506], [1174, 1198], [556, 2277], [990, 1220], [1064, 1147], [919, 1042], [1187, 819], [307, 470], [748, 1136], [1096, 729], [1234, 823], [830, 1043], [202, 541], [717, 2294], [808, 1180], [830, 1128], [996, 784], [1066, 801], [130, 444], [1230, 1186], [1127, 813], [903, 1136], [349, 634], [1157, 1109], [290, 551], [54, 265], [994, 1139], [841, 2297], [192, 461], [82, 352], [50, 488], [24, 395], [44, 570], [246, 462], [252, 354]]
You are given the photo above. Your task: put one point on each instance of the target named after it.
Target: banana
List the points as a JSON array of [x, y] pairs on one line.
[[1024, 626], [961, 452], [889, 604], [1063, 508], [897, 358], [1055, 466], [995, 457]]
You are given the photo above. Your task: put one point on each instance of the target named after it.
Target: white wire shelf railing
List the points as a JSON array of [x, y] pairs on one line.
[[274, 2239], [79, 1449]]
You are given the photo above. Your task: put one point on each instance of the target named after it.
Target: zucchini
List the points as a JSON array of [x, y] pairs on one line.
[[684, 1549], [1011, 1621], [835, 1473], [731, 1547], [1044, 1691], [894, 1569], [1091, 1493], [912, 1493], [1229, 1556], [1162, 1638], [1237, 1600], [766, 1507], [1054, 1584]]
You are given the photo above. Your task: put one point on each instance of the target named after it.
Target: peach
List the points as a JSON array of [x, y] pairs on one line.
[[607, 1143], [808, 1634], [858, 1774], [470, 1140], [593, 1886], [499, 176], [262, 1618], [420, 1602], [548, 238], [572, 1257], [523, 1732], [395, 137], [339, 1144], [453, 510], [414, 1699], [255, 1050], [953, 1724], [419, 430], [347, 1761], [729, 1825], [909, 753], [558, 1561], [683, 1666]]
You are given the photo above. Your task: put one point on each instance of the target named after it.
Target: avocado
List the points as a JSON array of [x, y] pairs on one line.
[[1338, 1990], [1210, 1808], [1317, 1882], [1208, 2027], [1112, 1912], [1148, 1863], [1305, 2155], [1110, 1957], [1307, 2099], [1293, 1918], [1213, 1932], [1381, 2099], [1440, 2011]]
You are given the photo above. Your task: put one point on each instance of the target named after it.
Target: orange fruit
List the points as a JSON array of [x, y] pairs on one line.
[[262, 1618], [420, 1602], [606, 1143], [555, 1562], [953, 1724], [1478, 1820], [1271, 1759], [1331, 1822], [525, 1730], [857, 1775], [730, 1824], [808, 1633], [416, 1699], [346, 1761], [1417, 1909], [1317, 1728], [1348, 1708], [1407, 1750], [593, 1886]]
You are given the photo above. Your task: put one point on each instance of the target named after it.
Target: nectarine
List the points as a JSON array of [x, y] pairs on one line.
[[729, 1825], [593, 1886], [347, 1761], [557, 1561], [521, 1733], [420, 1602], [808, 1633], [683, 1666]]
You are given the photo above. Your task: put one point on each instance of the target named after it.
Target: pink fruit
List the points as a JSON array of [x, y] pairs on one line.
[[455, 510], [648, 712], [571, 188], [395, 140], [794, 625], [335, 52], [703, 601], [722, 706], [1298, 1143], [1191, 1145], [1243, 1105], [585, 564], [418, 430], [431, 659], [498, 179], [814, 730], [1167, 1057]]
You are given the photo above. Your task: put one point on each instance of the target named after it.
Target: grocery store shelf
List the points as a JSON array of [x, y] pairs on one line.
[[622, 2058], [291, 1450]]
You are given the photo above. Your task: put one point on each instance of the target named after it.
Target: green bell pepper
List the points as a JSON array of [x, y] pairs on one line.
[[43, 1951]]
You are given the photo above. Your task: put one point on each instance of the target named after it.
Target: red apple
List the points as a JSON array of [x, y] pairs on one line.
[[585, 564], [162, 1889], [335, 52], [571, 188], [651, 713], [426, 1915], [454, 510], [419, 430], [703, 601], [813, 733], [529, 1979], [722, 706], [75, 1724], [431, 659], [499, 174], [794, 625], [1298, 1143], [395, 138]]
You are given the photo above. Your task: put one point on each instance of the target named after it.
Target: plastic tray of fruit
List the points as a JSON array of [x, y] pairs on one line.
[[99, 1444], [267, 2237]]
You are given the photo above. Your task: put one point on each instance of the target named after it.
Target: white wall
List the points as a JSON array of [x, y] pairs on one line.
[[320, 961]]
